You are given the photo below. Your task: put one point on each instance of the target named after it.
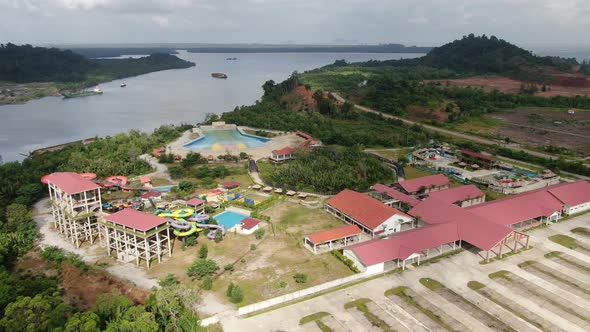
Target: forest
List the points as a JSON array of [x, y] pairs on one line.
[[328, 171], [37, 299], [25, 64]]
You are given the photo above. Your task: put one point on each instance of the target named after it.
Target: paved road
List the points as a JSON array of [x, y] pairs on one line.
[[449, 132]]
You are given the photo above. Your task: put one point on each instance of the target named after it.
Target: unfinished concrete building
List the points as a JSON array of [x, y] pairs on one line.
[[75, 204], [136, 236]]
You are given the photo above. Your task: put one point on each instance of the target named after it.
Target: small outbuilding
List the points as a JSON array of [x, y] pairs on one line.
[[230, 184], [197, 204], [153, 195], [249, 226], [333, 238]]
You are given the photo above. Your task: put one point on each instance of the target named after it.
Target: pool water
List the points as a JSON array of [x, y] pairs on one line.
[[226, 139], [229, 219], [164, 189]]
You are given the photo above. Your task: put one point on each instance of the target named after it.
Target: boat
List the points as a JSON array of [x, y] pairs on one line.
[[82, 93], [123, 85], [234, 58], [219, 75]]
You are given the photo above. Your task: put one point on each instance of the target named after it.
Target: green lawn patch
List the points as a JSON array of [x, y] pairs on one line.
[[361, 305], [313, 317], [553, 254], [526, 264], [582, 231], [475, 285], [564, 240], [500, 274], [395, 291], [431, 283], [401, 292], [413, 172]]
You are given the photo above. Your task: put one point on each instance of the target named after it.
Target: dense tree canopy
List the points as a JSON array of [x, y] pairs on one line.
[[26, 63]]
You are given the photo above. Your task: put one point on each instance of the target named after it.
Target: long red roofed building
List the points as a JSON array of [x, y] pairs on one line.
[[425, 184], [371, 215]]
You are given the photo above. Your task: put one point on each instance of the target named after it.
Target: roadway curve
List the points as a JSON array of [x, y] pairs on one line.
[[472, 138]]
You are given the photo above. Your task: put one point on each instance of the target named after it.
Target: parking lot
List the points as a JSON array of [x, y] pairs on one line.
[[544, 288]]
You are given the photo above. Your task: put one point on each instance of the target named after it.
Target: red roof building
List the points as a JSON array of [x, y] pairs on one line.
[[195, 202], [520, 211], [425, 184], [136, 220], [145, 179], [575, 195], [463, 195], [283, 154], [344, 235], [230, 184], [479, 156], [249, 223], [71, 183], [395, 194], [369, 214], [151, 194]]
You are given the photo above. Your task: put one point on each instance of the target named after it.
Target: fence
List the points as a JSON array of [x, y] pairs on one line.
[[300, 294]]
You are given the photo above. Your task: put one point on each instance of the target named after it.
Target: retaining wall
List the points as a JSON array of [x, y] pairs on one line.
[[301, 293]]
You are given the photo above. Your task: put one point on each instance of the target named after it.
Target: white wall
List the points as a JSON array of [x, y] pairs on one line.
[[377, 268], [393, 224], [353, 257], [578, 208]]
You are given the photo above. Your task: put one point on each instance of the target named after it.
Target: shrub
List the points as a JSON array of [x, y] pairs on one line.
[[229, 267], [169, 280], [259, 233], [230, 287], [207, 283], [202, 268], [300, 278], [236, 294], [218, 236], [252, 247], [203, 251], [189, 241], [345, 260], [283, 284]]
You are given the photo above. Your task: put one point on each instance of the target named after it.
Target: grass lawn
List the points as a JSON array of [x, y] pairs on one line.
[[477, 125], [564, 240], [268, 270], [413, 172]]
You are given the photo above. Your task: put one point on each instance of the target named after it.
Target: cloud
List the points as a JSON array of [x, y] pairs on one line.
[[424, 22]]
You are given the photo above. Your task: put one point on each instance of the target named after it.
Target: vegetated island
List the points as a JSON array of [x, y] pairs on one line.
[[476, 84], [28, 72], [96, 51]]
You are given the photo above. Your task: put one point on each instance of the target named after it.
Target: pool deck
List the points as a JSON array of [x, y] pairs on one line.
[[283, 139]]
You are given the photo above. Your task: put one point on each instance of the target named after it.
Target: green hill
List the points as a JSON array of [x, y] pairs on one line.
[[25, 64], [478, 55]]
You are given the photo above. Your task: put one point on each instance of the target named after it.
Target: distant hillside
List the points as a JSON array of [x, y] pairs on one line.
[[476, 55], [24, 64]]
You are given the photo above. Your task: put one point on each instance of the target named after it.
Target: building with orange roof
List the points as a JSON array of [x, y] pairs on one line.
[[283, 154], [333, 238], [369, 214]]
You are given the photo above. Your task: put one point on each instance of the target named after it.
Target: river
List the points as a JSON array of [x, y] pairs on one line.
[[148, 101]]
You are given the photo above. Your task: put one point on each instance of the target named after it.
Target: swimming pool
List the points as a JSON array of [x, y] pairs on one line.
[[229, 219], [163, 189], [226, 139]]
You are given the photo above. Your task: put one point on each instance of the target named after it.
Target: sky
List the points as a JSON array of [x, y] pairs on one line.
[[411, 22]]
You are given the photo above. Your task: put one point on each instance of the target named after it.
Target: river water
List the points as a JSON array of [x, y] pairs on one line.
[[148, 101]]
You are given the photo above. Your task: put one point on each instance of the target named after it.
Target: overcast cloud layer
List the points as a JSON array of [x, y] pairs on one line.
[[421, 22]]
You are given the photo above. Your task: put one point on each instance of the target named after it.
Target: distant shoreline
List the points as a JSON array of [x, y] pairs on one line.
[[100, 52]]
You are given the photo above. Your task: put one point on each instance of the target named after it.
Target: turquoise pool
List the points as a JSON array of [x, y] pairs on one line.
[[226, 139], [164, 189], [229, 219]]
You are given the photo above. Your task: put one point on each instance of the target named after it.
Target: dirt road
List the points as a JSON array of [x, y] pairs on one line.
[[449, 132]]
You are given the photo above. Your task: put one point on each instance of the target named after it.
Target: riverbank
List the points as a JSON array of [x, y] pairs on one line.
[[20, 93]]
